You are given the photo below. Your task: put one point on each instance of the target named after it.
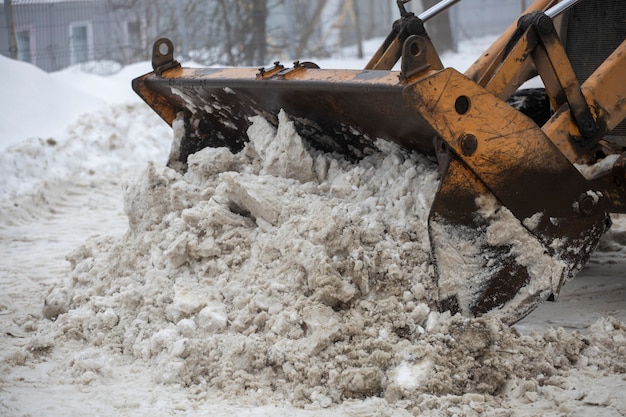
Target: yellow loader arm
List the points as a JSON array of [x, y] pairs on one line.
[[513, 218], [497, 163]]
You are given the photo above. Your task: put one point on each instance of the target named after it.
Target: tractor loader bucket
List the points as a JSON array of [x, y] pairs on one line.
[[341, 111], [513, 218]]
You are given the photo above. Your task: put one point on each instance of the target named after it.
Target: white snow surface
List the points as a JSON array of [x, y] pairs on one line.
[[276, 282]]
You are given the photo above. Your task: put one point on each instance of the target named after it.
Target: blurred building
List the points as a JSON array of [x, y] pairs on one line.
[[54, 34]]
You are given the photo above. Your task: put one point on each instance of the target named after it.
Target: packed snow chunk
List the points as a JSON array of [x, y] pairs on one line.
[[321, 328], [89, 361], [189, 298], [213, 318], [412, 375], [56, 302], [164, 339], [362, 381], [253, 198], [283, 155]]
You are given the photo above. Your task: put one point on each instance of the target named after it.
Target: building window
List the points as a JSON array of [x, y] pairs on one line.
[[80, 42], [23, 45], [134, 34]]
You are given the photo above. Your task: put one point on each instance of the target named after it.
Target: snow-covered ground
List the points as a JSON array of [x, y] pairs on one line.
[[272, 283]]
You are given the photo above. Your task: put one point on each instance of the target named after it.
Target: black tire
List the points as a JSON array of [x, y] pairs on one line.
[[533, 102]]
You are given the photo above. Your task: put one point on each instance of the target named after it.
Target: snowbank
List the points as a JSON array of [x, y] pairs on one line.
[[72, 124], [37, 104]]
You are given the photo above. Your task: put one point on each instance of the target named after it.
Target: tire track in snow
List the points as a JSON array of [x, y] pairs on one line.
[[38, 231]]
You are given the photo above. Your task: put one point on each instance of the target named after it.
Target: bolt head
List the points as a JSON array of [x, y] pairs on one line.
[[469, 144], [586, 204]]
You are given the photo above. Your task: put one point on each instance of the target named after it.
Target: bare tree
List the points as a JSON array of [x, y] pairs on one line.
[[245, 32], [323, 26], [312, 23], [347, 24], [258, 45], [243, 25], [146, 19], [8, 13]]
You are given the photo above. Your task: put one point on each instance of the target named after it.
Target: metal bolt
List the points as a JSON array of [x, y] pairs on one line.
[[545, 25], [588, 127], [586, 204], [469, 144]]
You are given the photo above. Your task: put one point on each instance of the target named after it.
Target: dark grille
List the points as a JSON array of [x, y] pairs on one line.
[[596, 28]]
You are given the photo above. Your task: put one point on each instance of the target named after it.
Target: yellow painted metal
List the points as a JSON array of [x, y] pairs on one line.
[[512, 70], [385, 59], [158, 102], [605, 92], [486, 64], [510, 154], [496, 151], [505, 147]]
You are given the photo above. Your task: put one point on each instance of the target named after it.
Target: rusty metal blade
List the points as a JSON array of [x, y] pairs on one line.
[[480, 269], [341, 111]]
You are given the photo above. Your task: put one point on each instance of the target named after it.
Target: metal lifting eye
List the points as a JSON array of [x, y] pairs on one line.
[[163, 55], [163, 48], [414, 48]]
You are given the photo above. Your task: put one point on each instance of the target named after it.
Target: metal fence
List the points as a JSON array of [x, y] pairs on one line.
[[54, 34], [57, 34]]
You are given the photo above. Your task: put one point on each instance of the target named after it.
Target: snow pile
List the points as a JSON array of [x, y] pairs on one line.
[[37, 104], [288, 275], [70, 125], [93, 147]]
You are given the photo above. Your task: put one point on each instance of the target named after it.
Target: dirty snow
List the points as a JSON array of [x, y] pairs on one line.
[[279, 281]]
